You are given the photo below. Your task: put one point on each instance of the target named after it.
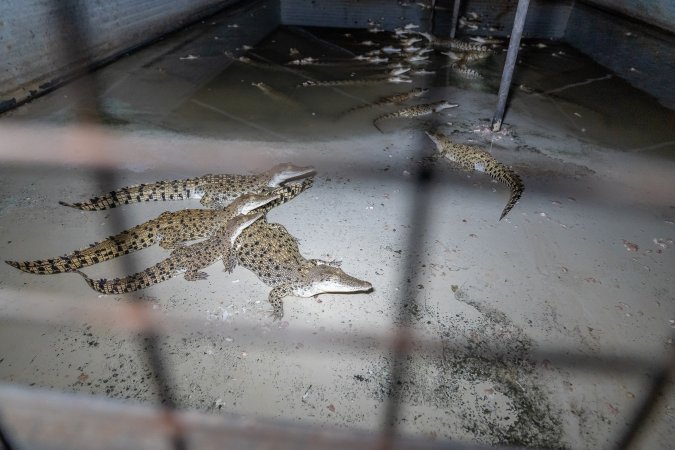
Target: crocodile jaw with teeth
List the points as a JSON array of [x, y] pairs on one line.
[[285, 172], [326, 279]]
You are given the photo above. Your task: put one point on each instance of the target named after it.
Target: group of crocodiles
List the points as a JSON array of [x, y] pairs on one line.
[[466, 157], [234, 230]]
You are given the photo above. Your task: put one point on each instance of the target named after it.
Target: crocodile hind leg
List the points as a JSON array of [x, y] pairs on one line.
[[276, 297]]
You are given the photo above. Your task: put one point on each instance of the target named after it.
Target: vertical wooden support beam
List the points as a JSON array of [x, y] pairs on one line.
[[511, 58]]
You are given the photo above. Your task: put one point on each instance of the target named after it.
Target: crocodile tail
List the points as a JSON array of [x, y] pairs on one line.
[[162, 190], [162, 271], [44, 266], [128, 241], [515, 184]]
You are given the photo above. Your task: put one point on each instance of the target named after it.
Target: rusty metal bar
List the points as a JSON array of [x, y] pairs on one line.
[[124, 317], [509, 66], [73, 28], [45, 419]]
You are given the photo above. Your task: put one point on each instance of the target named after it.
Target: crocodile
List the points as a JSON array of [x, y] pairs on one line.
[[186, 260], [466, 57], [454, 44], [465, 72], [356, 82], [415, 111], [272, 253], [168, 230], [390, 99], [213, 191], [471, 158]]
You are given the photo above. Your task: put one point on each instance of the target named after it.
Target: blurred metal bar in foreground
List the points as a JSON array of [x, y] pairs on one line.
[[43, 419]]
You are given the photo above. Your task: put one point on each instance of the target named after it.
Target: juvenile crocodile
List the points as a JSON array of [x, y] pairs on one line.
[[214, 191], [454, 44], [466, 57], [390, 99], [168, 229], [272, 253], [356, 82], [186, 260], [465, 72], [471, 158], [415, 111]]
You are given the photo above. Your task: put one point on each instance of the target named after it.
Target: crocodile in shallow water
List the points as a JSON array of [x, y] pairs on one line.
[[272, 253], [356, 82], [168, 229], [213, 191], [454, 44], [390, 99], [471, 158], [414, 111]]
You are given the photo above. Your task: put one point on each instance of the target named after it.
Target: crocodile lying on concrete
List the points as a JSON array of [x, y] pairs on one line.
[[414, 111], [272, 253], [168, 229], [390, 99], [214, 191], [187, 260], [471, 158]]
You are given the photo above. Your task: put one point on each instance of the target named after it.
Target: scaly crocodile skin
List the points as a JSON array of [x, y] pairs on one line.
[[214, 191], [272, 253], [168, 229], [187, 260], [471, 158]]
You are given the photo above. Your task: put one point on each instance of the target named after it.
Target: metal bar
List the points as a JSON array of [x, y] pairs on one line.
[[61, 310], [455, 18], [419, 213], [649, 404], [509, 66], [74, 35], [42, 418], [4, 438]]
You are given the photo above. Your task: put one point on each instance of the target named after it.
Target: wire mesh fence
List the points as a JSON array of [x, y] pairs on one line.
[[45, 420]]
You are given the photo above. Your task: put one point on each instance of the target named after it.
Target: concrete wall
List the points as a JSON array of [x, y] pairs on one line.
[[641, 54], [32, 58], [660, 13]]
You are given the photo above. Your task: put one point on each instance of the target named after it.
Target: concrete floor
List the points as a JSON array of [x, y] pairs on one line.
[[579, 266]]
